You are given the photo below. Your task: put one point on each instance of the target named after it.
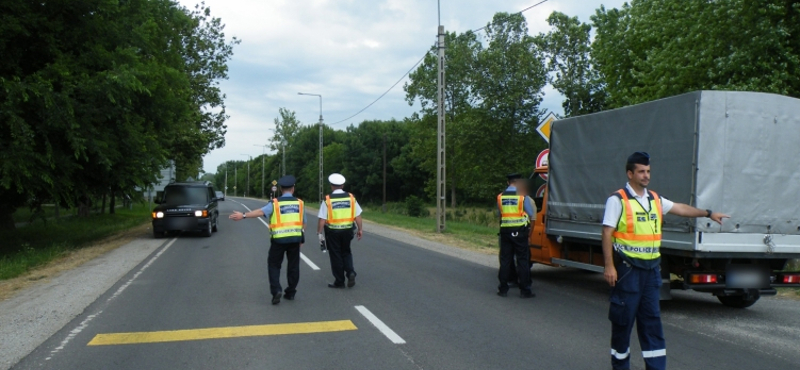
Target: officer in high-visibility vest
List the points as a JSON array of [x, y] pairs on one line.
[[339, 217], [286, 221], [631, 249], [516, 213]]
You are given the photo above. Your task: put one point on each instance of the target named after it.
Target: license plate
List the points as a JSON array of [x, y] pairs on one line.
[[745, 279]]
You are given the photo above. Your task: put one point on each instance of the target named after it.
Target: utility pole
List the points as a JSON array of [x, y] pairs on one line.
[[283, 143], [235, 178], [383, 208], [441, 191], [248, 173], [226, 179], [263, 149]]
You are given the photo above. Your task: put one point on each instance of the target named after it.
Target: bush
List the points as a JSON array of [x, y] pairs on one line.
[[415, 207]]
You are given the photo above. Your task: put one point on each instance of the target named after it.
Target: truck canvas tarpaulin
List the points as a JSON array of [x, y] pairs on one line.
[[732, 152]]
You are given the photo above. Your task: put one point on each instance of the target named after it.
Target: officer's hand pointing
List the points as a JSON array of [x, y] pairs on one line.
[[610, 274], [236, 216]]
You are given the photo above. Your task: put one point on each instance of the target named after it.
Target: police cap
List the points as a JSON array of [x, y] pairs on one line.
[[287, 181], [513, 176], [336, 179], [639, 158]]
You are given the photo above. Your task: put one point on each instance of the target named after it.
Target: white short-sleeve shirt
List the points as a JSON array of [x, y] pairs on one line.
[[614, 206], [323, 209]]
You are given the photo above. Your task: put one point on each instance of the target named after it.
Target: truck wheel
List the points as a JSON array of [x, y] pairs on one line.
[[216, 221], [738, 301]]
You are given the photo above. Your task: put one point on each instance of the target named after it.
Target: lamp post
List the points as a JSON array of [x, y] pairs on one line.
[[226, 179], [263, 148], [320, 141], [248, 174]]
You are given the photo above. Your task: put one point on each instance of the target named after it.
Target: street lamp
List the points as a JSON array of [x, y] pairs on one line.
[[248, 174], [320, 142]]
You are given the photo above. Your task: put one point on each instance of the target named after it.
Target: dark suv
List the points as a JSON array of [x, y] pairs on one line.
[[186, 206]]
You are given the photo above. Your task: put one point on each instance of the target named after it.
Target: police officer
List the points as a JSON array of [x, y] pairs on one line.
[[516, 211], [286, 220], [338, 215], [631, 242]]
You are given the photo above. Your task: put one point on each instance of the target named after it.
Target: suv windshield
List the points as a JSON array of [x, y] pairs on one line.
[[185, 195]]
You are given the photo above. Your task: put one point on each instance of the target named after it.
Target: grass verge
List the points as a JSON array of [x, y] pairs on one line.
[[38, 244], [460, 234]]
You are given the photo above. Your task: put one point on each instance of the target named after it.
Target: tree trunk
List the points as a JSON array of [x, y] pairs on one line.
[[6, 219], [103, 205], [112, 203], [84, 206]]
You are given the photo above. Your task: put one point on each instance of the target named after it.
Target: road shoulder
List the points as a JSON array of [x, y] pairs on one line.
[[37, 312]]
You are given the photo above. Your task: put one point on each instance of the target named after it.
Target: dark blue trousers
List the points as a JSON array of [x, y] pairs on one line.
[[636, 298], [274, 262], [341, 256], [511, 246]]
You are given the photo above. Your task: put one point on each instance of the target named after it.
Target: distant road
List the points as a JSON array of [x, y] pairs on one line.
[[204, 303]]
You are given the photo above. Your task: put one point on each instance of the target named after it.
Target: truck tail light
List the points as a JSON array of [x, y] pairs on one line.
[[703, 278], [789, 278]]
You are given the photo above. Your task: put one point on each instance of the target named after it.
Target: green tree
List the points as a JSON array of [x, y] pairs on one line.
[[96, 95], [676, 46], [462, 51], [568, 48]]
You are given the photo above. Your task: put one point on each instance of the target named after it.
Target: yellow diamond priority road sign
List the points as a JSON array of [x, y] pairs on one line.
[[545, 126]]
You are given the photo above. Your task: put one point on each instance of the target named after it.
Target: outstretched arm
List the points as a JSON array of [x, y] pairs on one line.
[[685, 210], [236, 215]]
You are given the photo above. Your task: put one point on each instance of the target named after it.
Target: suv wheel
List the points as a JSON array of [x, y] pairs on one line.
[[216, 222], [208, 231]]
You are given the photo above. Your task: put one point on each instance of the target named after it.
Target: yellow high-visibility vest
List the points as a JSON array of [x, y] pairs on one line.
[[286, 222], [638, 233], [512, 210], [341, 211]]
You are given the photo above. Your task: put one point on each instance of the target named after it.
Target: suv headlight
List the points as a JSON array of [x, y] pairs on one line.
[[203, 213], [158, 214]]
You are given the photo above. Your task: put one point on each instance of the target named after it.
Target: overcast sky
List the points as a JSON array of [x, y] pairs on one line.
[[349, 51]]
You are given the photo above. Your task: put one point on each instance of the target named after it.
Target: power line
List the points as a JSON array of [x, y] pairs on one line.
[[519, 12], [420, 61], [387, 91]]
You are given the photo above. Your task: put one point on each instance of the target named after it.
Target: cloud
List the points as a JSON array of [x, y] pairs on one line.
[[350, 51]]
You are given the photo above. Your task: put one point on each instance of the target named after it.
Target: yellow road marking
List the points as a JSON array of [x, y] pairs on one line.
[[218, 333]]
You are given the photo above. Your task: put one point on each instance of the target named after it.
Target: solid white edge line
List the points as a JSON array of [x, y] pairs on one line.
[[85, 323], [389, 333], [303, 256]]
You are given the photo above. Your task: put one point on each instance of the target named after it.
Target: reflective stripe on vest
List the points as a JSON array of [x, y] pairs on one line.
[[512, 210], [638, 235], [341, 212], [287, 218]]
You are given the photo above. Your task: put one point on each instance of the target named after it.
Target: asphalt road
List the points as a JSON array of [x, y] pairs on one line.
[[435, 311]]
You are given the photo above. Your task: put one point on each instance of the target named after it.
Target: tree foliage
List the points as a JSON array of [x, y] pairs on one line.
[[658, 48], [568, 48], [97, 96]]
